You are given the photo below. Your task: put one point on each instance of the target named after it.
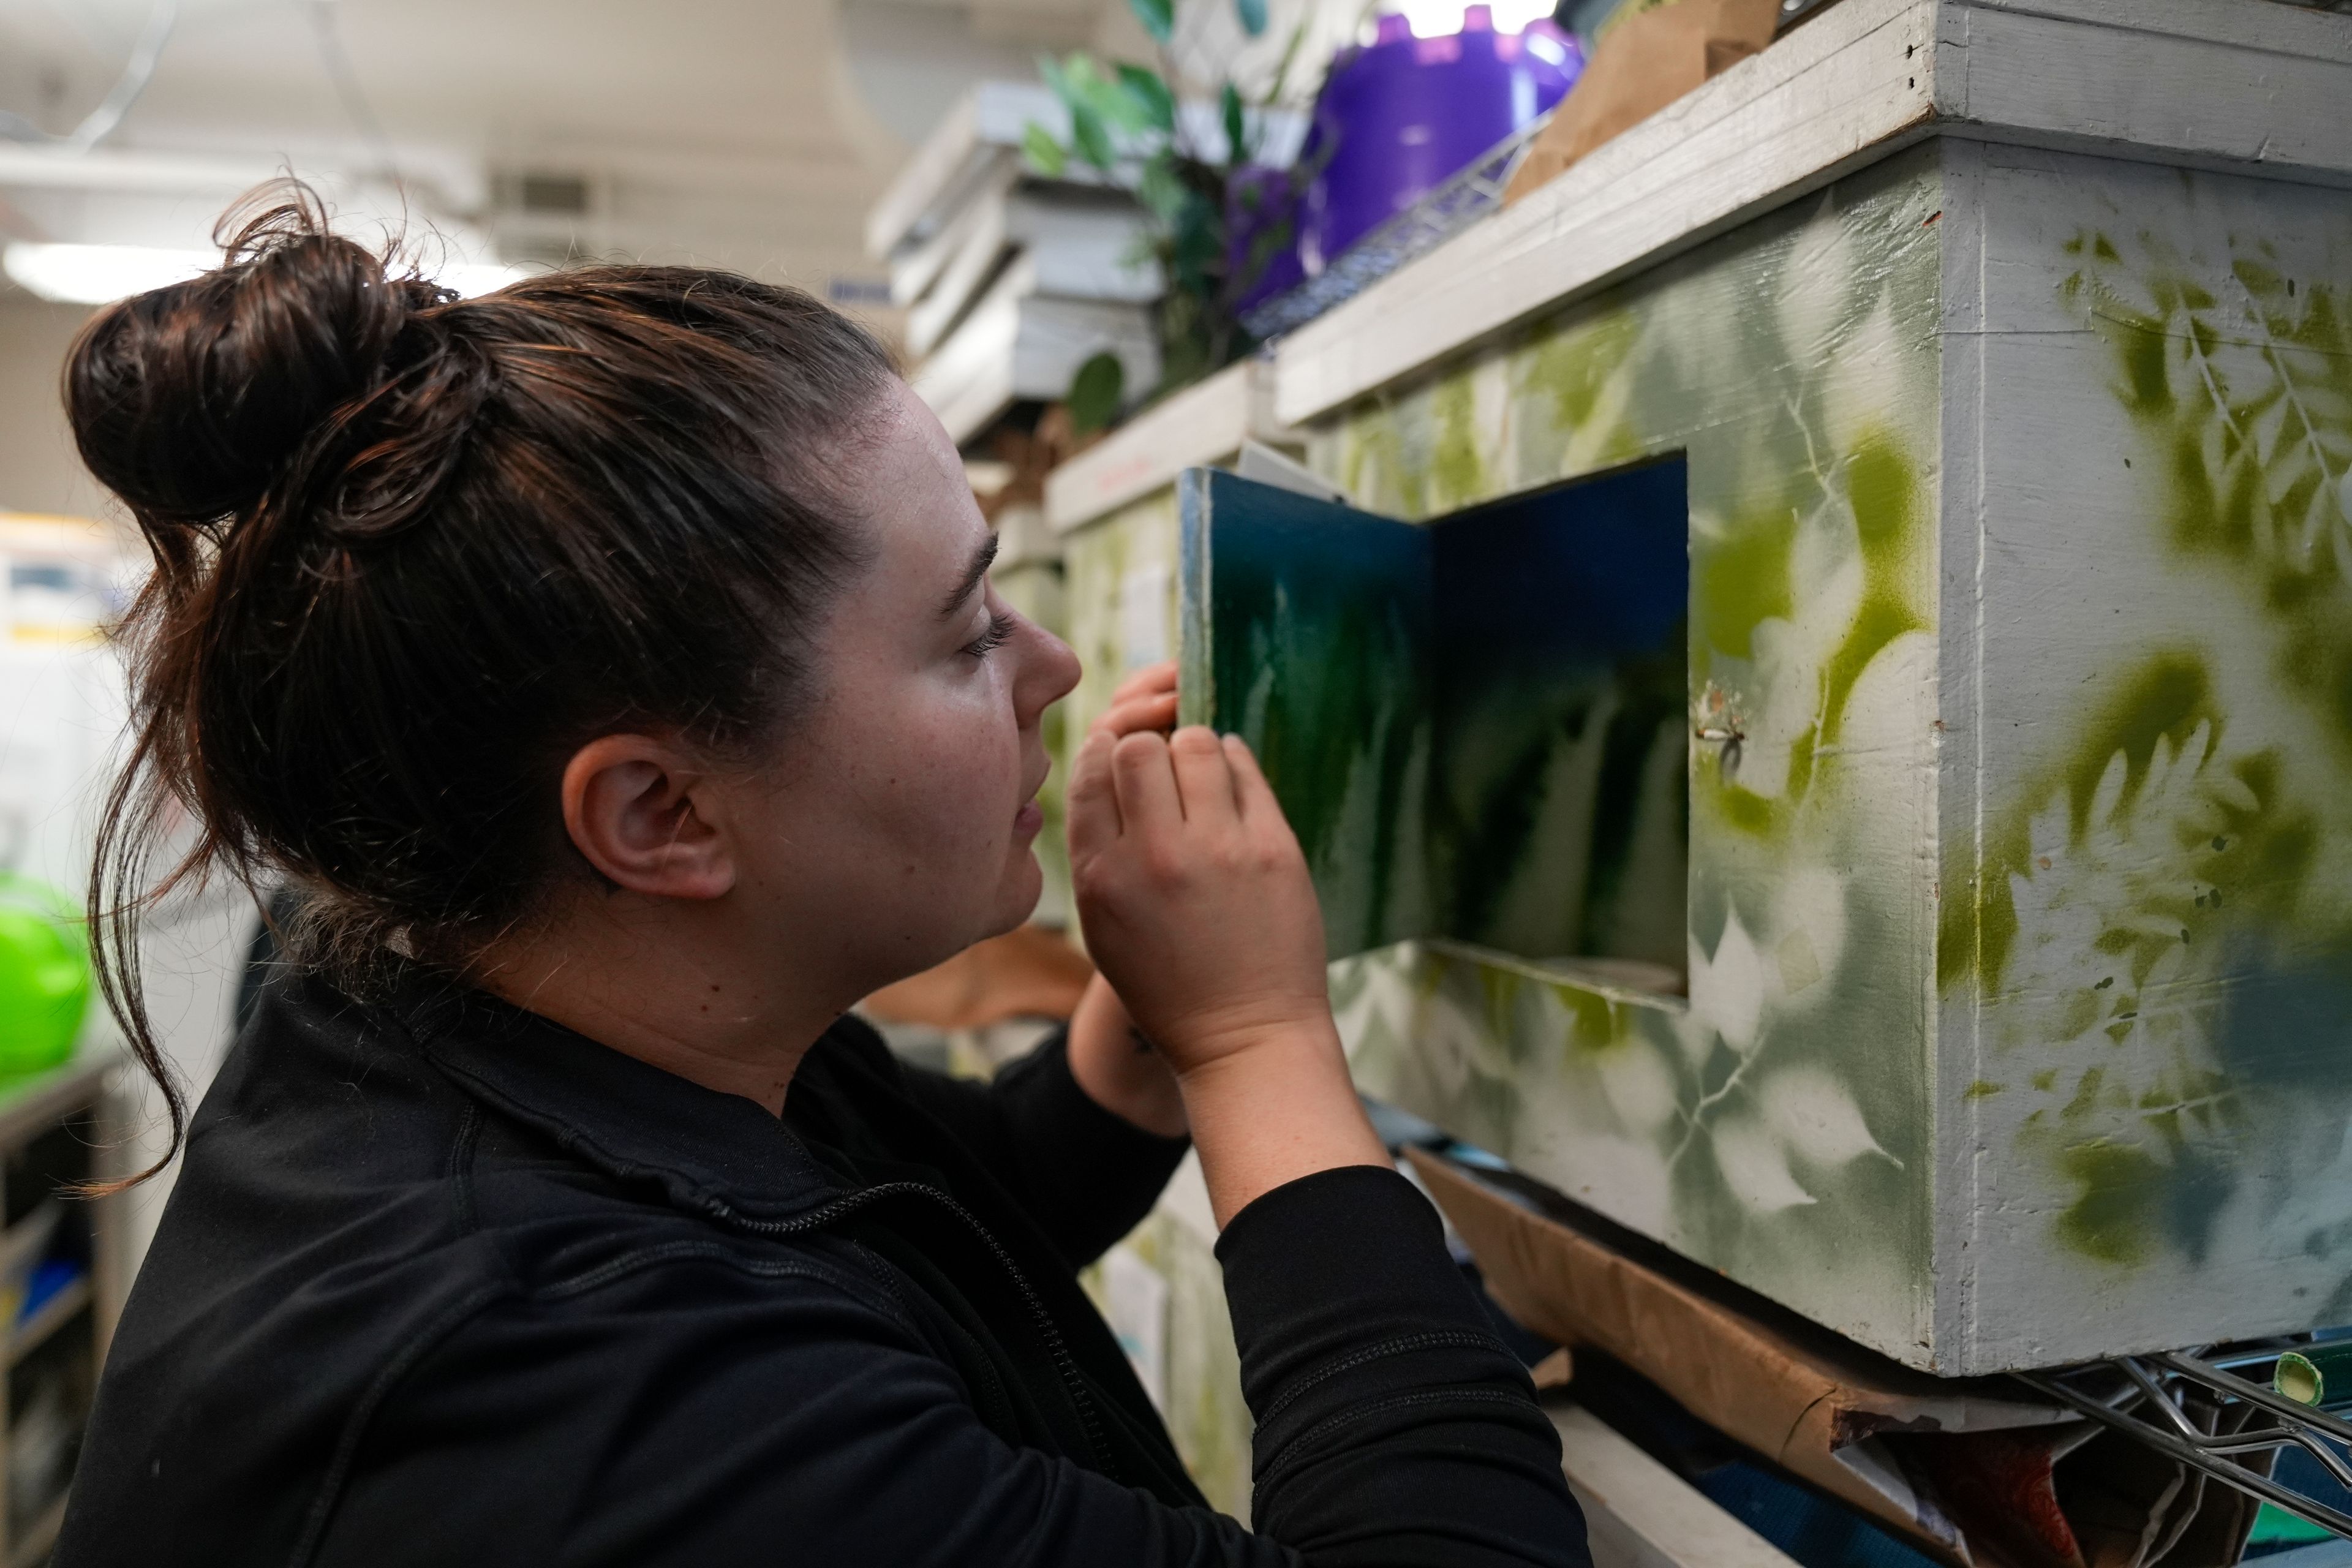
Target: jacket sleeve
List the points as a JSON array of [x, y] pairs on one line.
[[700, 1410], [1087, 1175]]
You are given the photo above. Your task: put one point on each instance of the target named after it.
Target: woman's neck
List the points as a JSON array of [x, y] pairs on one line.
[[668, 988]]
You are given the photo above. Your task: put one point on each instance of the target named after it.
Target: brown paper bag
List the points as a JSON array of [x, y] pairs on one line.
[[1640, 66]]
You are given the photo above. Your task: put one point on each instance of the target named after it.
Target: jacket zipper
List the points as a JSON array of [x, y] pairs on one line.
[[1064, 1364]]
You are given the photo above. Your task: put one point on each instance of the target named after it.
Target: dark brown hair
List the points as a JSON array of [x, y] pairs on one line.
[[412, 550]]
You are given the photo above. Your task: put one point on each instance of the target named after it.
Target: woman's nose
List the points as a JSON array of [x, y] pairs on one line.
[[1049, 673]]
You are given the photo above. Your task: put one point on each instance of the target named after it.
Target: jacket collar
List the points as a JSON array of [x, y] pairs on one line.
[[711, 1152]]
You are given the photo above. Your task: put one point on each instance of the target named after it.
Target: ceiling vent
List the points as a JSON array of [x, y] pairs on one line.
[[546, 196]]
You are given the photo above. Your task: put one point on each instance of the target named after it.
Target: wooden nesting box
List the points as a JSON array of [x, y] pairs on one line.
[[2000, 356], [1992, 363]]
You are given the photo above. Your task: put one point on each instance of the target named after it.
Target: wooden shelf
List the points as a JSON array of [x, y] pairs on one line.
[[54, 1314]]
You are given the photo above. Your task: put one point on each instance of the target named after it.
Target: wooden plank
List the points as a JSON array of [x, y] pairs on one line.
[[2243, 84], [1019, 344], [935, 181], [977, 254], [1203, 424], [1833, 92], [1640, 1514], [1077, 246], [919, 263]]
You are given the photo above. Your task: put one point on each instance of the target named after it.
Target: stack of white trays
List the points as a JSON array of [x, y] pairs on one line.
[[1011, 282]]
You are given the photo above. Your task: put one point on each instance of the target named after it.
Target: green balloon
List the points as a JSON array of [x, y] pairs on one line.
[[44, 974]]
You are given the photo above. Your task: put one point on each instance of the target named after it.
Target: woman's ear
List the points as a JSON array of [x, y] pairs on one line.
[[642, 814]]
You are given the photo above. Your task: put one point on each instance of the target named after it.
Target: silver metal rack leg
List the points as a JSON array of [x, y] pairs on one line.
[[2196, 1409]]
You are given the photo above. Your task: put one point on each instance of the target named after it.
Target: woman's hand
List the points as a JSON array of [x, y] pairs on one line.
[[1199, 912], [1196, 897], [1109, 1057]]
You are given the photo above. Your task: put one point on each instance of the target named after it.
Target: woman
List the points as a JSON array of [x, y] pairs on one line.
[[612, 661]]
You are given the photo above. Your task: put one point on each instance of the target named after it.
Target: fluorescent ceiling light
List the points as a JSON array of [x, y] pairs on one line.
[[102, 274]]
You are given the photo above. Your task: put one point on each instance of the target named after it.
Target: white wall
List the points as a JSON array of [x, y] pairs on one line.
[[38, 469]]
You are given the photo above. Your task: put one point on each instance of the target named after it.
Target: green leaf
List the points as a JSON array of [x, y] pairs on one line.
[[1095, 392], [1160, 189], [1253, 15], [1115, 100], [1151, 96], [1236, 150], [1091, 139], [1047, 154], [1158, 16]]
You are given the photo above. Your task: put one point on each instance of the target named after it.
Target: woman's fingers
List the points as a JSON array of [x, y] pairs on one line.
[[1252, 794], [1151, 680], [1149, 712], [1092, 806], [1204, 778], [1146, 780]]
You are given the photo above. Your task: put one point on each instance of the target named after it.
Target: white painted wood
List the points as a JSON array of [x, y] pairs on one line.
[[1022, 539], [1203, 423], [2243, 84], [1639, 1514], [979, 249], [1081, 244], [919, 263], [940, 174], [1019, 344], [1089, 245], [2210, 83]]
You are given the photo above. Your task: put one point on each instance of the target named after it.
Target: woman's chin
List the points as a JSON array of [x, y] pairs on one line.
[[1024, 884]]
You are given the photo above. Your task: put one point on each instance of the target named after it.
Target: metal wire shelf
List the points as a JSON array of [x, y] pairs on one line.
[[2196, 1409], [1438, 217]]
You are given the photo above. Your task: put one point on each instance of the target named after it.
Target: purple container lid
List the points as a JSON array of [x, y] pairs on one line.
[[1402, 115]]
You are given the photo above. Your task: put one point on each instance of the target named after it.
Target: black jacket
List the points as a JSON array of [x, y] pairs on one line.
[[442, 1282]]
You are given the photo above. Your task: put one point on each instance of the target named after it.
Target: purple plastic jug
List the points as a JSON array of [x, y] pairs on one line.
[[1401, 115]]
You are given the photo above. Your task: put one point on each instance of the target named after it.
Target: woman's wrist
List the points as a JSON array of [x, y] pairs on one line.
[[1117, 1068], [1278, 1110]]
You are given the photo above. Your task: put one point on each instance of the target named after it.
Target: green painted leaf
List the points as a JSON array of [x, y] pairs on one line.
[[1150, 95], [1047, 154], [1253, 15], [1095, 392], [1158, 16], [1237, 148]]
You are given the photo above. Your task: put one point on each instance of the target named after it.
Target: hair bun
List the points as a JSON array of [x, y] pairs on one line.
[[187, 401]]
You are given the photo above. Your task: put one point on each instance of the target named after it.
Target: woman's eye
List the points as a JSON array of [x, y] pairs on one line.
[[1000, 628]]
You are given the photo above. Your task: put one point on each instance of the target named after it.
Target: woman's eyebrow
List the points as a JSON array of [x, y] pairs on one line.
[[982, 560]]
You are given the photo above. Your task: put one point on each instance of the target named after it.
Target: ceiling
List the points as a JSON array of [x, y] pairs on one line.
[[745, 133]]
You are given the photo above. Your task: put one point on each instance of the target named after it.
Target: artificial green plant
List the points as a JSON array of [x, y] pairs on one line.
[[1125, 126]]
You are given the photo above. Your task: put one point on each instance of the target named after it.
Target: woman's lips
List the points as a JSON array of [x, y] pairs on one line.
[[1028, 820]]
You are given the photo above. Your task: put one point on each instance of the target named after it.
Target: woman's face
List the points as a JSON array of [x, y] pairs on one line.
[[899, 827]]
